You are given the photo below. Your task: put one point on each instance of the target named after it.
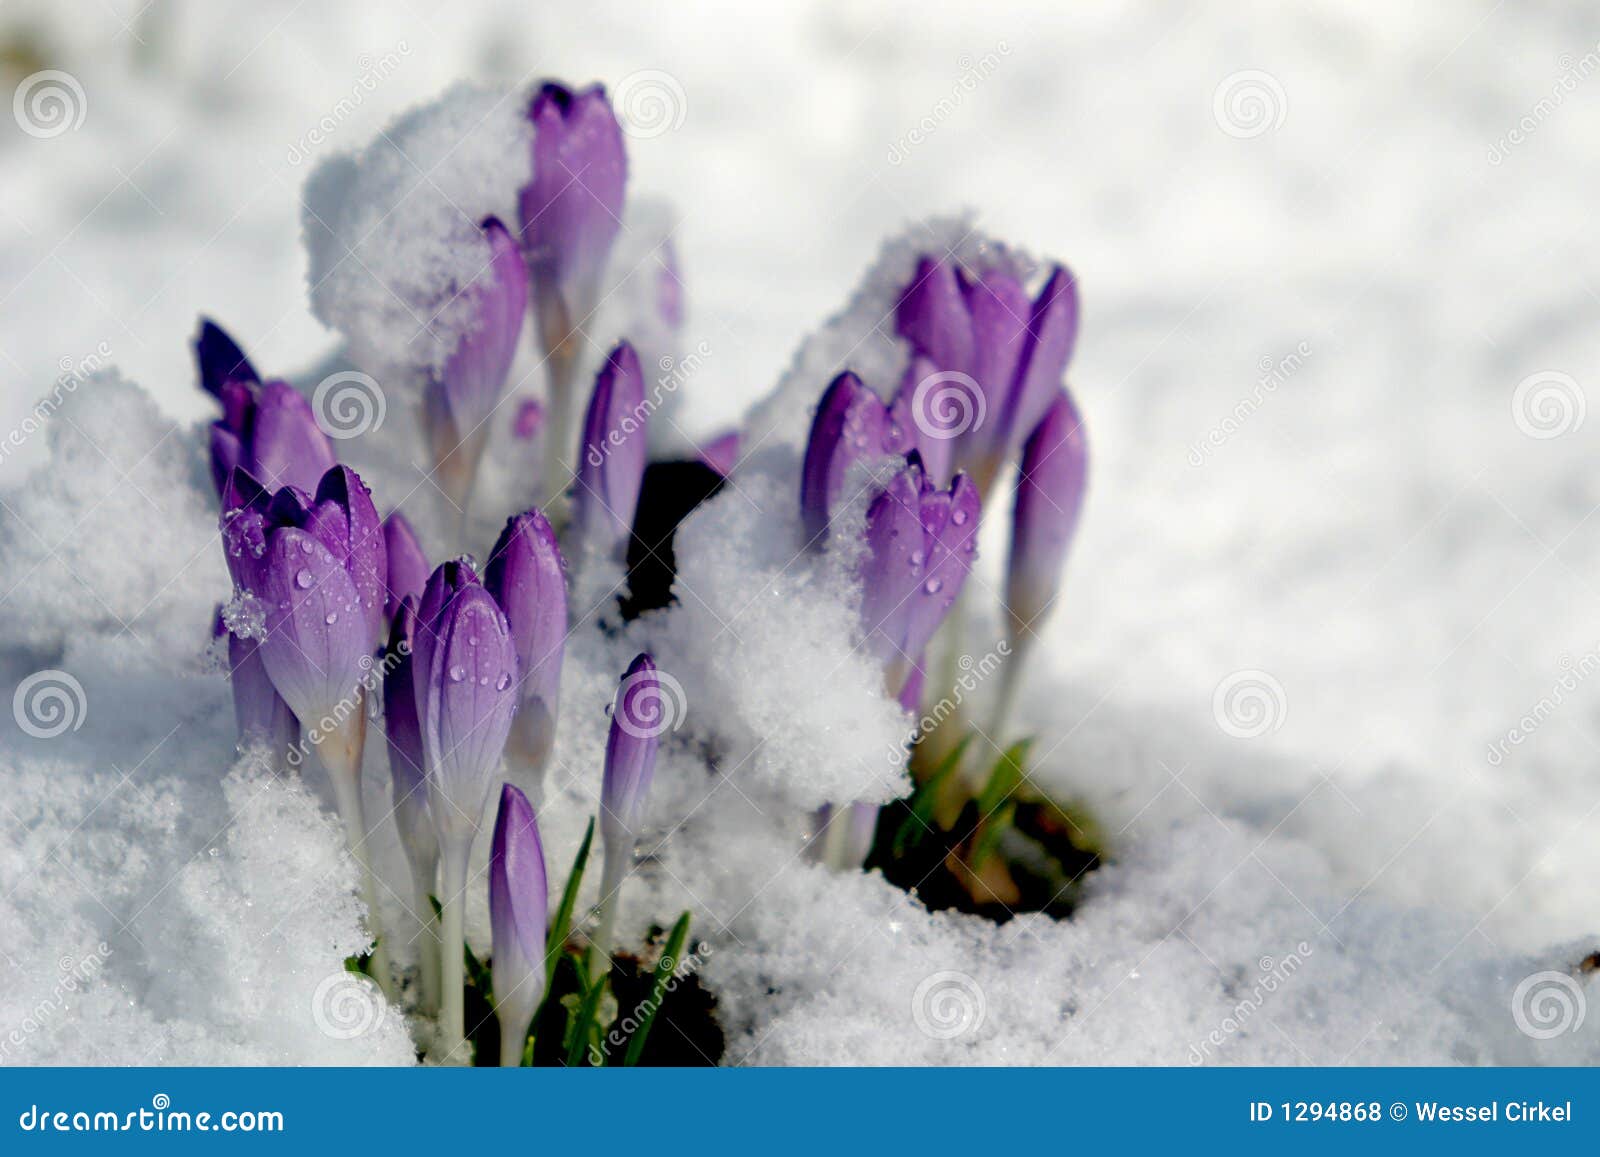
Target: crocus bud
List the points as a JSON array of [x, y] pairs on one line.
[[261, 715], [220, 360], [1050, 489], [408, 565], [465, 680], [459, 401], [921, 543], [572, 208], [851, 425], [986, 359], [526, 575], [611, 471], [636, 724], [519, 904]]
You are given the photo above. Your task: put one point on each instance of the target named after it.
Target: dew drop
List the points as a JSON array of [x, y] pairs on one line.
[[457, 673], [302, 578], [331, 618], [504, 681], [933, 586], [959, 517]]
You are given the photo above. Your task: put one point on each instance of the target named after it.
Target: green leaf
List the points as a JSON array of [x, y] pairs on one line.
[[997, 804], [582, 1021], [561, 926], [666, 967], [924, 801]]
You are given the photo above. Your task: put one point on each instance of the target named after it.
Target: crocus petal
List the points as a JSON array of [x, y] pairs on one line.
[[849, 427], [721, 453], [466, 706], [219, 359], [287, 447], [614, 452], [572, 208], [259, 711], [364, 547], [893, 565], [950, 546], [476, 373], [408, 565], [404, 733], [863, 820], [1051, 337], [1050, 490], [637, 720], [526, 574], [932, 316], [227, 454], [519, 903], [936, 408], [999, 309], [315, 646]]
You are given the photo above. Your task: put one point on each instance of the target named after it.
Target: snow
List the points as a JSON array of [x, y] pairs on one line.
[[1377, 534]]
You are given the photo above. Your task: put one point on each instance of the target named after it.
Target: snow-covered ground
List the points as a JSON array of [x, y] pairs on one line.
[[1339, 289]]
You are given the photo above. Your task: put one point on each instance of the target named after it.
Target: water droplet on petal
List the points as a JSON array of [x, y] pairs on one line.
[[332, 618], [959, 517], [302, 578], [504, 682], [933, 586], [457, 673]]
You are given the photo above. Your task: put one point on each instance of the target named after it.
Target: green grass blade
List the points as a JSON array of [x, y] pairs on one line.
[[671, 960]]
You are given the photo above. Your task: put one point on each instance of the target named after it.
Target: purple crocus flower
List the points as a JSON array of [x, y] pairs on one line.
[[921, 543], [457, 404], [611, 471], [268, 428], [526, 575], [464, 674], [1050, 488], [261, 715], [408, 565], [989, 359], [572, 208], [851, 426], [519, 906], [312, 569], [637, 719], [721, 453]]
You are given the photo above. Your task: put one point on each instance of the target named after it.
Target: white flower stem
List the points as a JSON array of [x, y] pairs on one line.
[[427, 941], [606, 923], [347, 794], [837, 840], [450, 1043]]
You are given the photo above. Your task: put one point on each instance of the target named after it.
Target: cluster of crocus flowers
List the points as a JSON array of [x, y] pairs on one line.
[[267, 428], [571, 212]]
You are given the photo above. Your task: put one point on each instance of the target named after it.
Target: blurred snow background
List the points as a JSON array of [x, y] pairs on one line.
[[1386, 209]]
